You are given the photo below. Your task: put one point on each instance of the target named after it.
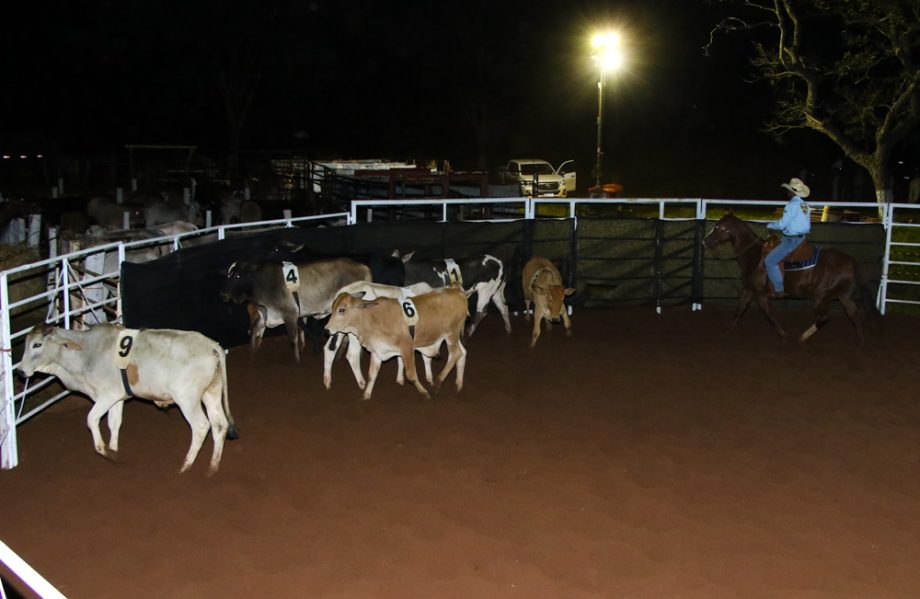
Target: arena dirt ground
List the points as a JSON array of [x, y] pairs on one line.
[[647, 456]]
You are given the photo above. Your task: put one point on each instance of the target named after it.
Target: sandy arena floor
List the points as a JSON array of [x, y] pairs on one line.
[[647, 456]]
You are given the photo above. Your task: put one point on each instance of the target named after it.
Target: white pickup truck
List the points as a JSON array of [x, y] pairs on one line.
[[550, 182]]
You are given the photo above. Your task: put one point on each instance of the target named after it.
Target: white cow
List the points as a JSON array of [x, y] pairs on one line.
[[110, 364]]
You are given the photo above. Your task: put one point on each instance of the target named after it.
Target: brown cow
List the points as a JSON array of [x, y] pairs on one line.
[[383, 327], [543, 287]]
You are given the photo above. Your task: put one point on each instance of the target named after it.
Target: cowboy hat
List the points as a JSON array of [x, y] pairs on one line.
[[797, 187]]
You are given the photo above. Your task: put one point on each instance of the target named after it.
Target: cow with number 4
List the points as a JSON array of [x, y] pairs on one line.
[[110, 364], [389, 328]]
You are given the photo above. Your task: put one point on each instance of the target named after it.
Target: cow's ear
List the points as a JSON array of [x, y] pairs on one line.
[[358, 295], [407, 257], [365, 305], [569, 290], [70, 344]]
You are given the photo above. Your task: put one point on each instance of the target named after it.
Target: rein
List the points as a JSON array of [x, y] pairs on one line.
[[749, 246]]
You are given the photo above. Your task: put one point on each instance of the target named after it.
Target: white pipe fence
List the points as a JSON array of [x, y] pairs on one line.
[[83, 285]]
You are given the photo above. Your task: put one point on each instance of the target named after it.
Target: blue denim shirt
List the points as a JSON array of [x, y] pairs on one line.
[[796, 219]]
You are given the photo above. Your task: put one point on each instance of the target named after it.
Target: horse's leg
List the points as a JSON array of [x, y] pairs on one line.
[[746, 297], [853, 312], [821, 319], [763, 301]]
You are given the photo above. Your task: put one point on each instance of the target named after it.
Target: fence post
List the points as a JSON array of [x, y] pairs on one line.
[[888, 222], [9, 456], [126, 220], [34, 235], [119, 195], [60, 186], [659, 243], [696, 300]]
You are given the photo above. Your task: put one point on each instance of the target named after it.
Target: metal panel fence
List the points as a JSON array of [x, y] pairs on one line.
[[81, 288]]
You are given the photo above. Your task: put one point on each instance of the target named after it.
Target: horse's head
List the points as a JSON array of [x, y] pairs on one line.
[[724, 230]]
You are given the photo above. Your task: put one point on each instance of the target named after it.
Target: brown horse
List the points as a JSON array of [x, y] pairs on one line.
[[835, 276]]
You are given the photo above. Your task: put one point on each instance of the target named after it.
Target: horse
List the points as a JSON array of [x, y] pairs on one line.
[[834, 277]]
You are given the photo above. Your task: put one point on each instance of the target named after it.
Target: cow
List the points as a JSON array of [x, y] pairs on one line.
[[368, 291], [111, 364], [161, 212], [384, 327], [111, 216], [543, 287], [483, 275], [286, 292]]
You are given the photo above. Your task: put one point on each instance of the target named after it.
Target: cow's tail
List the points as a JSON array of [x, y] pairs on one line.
[[232, 432]]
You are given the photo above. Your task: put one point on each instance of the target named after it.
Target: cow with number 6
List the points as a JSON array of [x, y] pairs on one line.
[[111, 364], [385, 328]]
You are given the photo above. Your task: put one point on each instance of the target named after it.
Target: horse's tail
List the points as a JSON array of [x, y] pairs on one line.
[[866, 299]]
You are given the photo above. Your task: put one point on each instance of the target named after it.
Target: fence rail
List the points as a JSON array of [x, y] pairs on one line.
[[83, 285]]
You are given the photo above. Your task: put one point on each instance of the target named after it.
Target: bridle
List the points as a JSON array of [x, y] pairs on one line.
[[746, 248]]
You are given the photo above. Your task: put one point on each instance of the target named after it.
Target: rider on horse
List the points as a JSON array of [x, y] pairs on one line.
[[794, 225]]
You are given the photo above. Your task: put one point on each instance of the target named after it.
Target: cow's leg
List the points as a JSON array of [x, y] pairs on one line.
[[329, 350], [212, 400], [461, 366], [498, 298], [454, 352], [100, 407], [482, 300], [295, 335], [400, 379], [114, 420], [535, 333], [407, 352], [429, 352], [353, 356], [372, 371], [426, 361], [190, 405], [257, 318], [567, 322]]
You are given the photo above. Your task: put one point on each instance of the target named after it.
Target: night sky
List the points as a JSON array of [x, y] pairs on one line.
[[470, 81]]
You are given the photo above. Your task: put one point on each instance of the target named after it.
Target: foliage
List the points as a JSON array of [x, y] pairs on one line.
[[848, 69]]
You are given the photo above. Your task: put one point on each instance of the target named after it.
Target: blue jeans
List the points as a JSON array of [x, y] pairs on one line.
[[786, 245]]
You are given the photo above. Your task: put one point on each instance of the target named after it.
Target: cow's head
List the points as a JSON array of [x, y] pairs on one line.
[[345, 311], [239, 285], [44, 345], [553, 304]]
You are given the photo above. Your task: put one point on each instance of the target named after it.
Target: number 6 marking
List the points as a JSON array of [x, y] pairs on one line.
[[409, 309]]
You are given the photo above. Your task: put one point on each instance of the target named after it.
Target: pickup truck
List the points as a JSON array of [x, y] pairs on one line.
[[551, 182]]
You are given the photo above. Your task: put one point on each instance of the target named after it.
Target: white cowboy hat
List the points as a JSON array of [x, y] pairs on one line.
[[797, 187]]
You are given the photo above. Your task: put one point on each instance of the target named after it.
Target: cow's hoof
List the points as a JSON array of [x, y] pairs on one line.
[[568, 333]]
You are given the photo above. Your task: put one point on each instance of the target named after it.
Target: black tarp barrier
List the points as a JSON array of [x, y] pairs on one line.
[[610, 262]]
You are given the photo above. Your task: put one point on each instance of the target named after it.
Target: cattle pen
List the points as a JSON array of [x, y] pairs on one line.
[[624, 267]]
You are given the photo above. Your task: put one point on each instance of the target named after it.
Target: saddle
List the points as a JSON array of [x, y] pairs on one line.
[[802, 257]]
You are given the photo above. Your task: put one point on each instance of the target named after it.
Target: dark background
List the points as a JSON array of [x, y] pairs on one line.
[[470, 81]]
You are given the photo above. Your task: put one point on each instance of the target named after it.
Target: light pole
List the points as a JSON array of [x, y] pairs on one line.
[[609, 58]]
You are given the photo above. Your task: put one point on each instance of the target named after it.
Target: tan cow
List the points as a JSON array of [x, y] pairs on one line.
[[109, 364], [543, 287], [382, 326]]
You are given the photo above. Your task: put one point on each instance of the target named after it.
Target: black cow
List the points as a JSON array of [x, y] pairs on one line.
[[483, 274]]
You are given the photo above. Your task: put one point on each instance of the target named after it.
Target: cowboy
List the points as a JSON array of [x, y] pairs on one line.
[[794, 225]]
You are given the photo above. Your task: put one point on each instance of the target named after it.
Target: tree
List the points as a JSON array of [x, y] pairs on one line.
[[847, 69]]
